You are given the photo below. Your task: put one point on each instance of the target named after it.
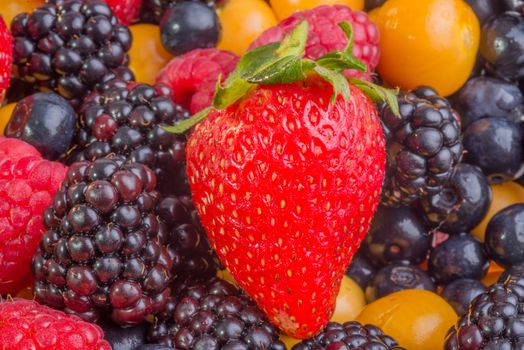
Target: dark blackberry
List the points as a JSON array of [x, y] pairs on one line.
[[423, 146], [105, 249], [191, 252], [494, 320], [128, 119], [349, 336], [70, 47], [212, 315], [153, 10]]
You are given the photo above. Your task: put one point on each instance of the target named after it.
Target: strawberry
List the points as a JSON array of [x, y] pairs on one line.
[[286, 176], [6, 58]]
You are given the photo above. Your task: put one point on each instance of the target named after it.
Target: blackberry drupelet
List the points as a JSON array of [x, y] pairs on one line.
[[423, 146], [212, 315], [153, 10], [494, 320], [105, 249], [349, 336], [191, 252], [128, 119], [70, 47]]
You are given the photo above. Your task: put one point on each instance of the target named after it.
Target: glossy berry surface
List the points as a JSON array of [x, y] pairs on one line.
[[127, 118], [349, 336], [396, 234], [484, 97], [213, 315], [503, 236], [493, 320], [396, 277], [25, 324], [494, 145], [153, 347], [361, 270], [46, 121], [105, 250], [511, 271], [325, 35], [192, 77], [27, 186], [128, 338], [423, 145], [502, 45], [70, 47], [189, 25], [461, 292], [487, 9], [460, 256], [462, 203], [153, 10]]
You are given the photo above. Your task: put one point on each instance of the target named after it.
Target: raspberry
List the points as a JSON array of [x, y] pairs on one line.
[[192, 77], [127, 11], [27, 185], [6, 57], [25, 324], [325, 35]]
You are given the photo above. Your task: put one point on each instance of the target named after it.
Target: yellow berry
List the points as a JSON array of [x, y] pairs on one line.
[[350, 301], [284, 8], [10, 8], [417, 319], [5, 115]]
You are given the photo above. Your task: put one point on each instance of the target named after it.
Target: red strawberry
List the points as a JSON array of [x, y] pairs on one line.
[[127, 11], [6, 58]]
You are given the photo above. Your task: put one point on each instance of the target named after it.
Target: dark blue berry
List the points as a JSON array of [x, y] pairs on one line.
[[396, 234], [484, 97], [361, 270], [502, 45], [460, 293], [397, 277], [46, 121], [485, 9], [371, 4], [505, 236], [494, 145], [153, 347], [513, 5], [460, 256], [189, 25], [463, 202], [129, 338]]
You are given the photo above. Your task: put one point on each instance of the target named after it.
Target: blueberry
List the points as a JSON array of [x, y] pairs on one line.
[[484, 97], [396, 277], [460, 293], [502, 45], [495, 145], [462, 204], [189, 25], [396, 234], [460, 256], [46, 121], [504, 236], [153, 347], [513, 5], [485, 9], [361, 270], [124, 338], [371, 4]]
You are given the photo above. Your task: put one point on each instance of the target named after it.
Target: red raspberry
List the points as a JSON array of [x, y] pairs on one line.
[[127, 11], [6, 58], [325, 35], [192, 77], [25, 324], [27, 186]]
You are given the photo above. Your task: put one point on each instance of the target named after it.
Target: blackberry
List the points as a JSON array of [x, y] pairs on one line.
[[494, 320], [212, 315], [128, 119], [153, 10], [423, 146], [70, 47], [104, 251], [349, 336], [191, 252]]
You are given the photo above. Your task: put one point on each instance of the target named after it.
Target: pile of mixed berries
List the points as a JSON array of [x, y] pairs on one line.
[[261, 175]]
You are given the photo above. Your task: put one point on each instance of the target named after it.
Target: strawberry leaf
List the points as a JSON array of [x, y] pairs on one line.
[[234, 89], [294, 44], [378, 93], [186, 124], [337, 80]]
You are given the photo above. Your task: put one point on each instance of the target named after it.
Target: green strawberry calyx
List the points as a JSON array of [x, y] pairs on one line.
[[284, 63]]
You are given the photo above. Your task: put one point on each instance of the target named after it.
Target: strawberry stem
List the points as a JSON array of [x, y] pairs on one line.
[[284, 63]]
